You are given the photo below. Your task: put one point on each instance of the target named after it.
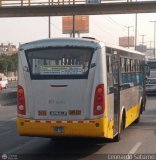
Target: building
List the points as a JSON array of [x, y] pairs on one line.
[[8, 49], [149, 52]]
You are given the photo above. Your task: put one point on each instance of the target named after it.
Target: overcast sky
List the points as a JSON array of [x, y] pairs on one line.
[[103, 27]]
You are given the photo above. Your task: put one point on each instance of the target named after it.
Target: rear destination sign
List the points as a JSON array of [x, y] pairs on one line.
[[61, 70]]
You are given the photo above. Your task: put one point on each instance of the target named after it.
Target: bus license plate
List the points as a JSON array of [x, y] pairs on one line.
[[59, 129]]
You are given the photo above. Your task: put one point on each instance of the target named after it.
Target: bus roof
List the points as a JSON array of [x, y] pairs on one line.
[[124, 49], [63, 42], [151, 60], [85, 42]]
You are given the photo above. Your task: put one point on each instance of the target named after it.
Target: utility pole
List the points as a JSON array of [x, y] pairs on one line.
[[154, 35], [143, 35], [136, 28], [49, 24], [73, 26], [150, 49], [49, 27], [128, 27]]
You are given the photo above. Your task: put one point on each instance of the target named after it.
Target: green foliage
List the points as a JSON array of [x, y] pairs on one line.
[[8, 63]]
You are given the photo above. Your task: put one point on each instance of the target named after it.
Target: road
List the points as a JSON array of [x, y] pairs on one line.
[[138, 139], [9, 95], [12, 87]]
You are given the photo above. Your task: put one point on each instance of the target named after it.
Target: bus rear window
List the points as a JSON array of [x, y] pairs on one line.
[[49, 63]]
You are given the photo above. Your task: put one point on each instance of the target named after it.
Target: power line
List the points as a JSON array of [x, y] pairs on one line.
[[115, 21], [105, 26]]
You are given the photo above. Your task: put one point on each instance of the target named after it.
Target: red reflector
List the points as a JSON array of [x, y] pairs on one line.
[[80, 121], [92, 121], [69, 121], [48, 121], [58, 121]]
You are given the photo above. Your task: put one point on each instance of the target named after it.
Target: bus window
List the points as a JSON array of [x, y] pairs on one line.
[[107, 59], [109, 74], [69, 62], [122, 65], [125, 65], [128, 65], [131, 65]]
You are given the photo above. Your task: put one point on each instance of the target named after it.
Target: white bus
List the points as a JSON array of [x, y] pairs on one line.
[[78, 88], [151, 63]]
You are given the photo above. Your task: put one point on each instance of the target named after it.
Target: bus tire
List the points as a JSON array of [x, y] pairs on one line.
[[137, 120], [117, 138], [122, 127], [143, 105]]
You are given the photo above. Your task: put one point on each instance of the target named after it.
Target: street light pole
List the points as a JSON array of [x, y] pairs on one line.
[[128, 33], [154, 35]]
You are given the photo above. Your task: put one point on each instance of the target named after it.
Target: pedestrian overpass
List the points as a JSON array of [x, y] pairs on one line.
[[33, 8]]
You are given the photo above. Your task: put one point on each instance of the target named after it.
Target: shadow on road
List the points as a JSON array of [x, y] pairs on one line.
[[68, 148]]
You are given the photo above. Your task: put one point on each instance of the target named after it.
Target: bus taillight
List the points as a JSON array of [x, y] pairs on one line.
[[21, 101], [99, 102]]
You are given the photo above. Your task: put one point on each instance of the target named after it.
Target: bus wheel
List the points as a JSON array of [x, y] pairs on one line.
[[137, 120], [122, 126], [117, 138]]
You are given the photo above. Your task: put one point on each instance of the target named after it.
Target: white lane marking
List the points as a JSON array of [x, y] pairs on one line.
[[135, 148], [13, 118], [21, 147], [1, 134]]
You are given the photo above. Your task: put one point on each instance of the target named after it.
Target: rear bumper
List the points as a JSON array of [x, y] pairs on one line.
[[84, 128]]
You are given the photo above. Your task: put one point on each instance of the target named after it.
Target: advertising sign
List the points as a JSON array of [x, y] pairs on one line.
[[81, 24]]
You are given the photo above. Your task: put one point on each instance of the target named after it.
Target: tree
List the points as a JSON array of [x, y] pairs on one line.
[[8, 63]]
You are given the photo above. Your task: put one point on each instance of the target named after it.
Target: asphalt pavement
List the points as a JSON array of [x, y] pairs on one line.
[[12, 87], [8, 96], [137, 141]]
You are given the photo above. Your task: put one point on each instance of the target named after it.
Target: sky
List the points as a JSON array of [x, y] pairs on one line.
[[103, 27]]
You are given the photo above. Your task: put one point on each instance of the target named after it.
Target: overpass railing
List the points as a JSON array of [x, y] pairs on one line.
[[4, 3]]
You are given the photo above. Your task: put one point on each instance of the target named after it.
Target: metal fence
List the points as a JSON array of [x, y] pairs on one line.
[[5, 3]]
